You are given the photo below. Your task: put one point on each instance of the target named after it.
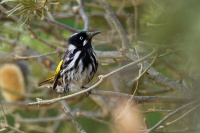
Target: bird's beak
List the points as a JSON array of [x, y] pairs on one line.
[[91, 34]]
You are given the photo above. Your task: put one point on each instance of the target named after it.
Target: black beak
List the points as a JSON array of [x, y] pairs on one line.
[[91, 34]]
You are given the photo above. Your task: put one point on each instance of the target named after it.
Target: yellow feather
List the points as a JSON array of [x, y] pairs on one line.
[[52, 78], [58, 68]]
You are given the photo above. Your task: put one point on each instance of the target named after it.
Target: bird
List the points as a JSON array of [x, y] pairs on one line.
[[78, 65]]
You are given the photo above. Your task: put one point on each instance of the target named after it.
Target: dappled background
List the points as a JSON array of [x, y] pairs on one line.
[[163, 33]]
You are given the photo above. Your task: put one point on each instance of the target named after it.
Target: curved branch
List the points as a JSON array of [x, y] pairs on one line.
[[117, 24], [170, 115], [83, 14], [143, 99], [165, 81], [60, 25]]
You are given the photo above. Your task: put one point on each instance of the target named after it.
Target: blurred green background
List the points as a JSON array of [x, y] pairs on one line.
[[170, 26]]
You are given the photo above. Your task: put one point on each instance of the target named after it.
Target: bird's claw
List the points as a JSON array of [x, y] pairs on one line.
[[87, 93], [66, 89]]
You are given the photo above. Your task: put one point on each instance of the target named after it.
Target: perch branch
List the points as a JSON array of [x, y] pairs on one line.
[[102, 78]]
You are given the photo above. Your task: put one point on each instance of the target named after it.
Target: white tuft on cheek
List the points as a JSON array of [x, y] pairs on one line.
[[85, 42], [71, 48], [73, 34]]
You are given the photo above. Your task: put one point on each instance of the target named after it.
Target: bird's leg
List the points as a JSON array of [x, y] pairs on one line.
[[88, 92], [66, 88]]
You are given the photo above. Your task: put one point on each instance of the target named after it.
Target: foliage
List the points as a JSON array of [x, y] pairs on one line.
[[27, 9], [169, 86]]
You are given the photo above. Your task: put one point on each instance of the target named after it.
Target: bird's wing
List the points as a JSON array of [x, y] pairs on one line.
[[53, 79], [45, 81], [57, 74]]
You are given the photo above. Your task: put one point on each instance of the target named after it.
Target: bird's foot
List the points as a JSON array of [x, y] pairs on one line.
[[87, 93], [65, 89]]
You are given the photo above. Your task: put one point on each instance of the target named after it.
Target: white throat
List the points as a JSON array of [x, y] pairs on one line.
[[71, 47], [85, 42]]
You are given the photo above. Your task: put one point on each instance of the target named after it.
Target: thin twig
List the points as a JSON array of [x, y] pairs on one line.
[[169, 123], [143, 99], [130, 64], [165, 81], [137, 83], [136, 19], [35, 36], [100, 54], [83, 14], [170, 115], [146, 69], [125, 42], [4, 114], [142, 73], [155, 110], [136, 99], [6, 126], [17, 57], [153, 74], [75, 114], [42, 119], [78, 127], [60, 25], [29, 29]]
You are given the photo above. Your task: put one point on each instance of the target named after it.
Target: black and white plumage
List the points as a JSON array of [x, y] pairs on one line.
[[79, 63]]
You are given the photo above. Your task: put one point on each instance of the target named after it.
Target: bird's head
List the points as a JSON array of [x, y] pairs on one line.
[[82, 38]]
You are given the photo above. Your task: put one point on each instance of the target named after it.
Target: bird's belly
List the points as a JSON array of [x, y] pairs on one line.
[[77, 78]]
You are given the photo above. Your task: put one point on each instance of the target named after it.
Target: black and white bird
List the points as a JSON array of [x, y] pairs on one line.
[[79, 63]]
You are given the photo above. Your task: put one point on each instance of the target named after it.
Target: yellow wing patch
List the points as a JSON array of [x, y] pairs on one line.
[[52, 78], [58, 67]]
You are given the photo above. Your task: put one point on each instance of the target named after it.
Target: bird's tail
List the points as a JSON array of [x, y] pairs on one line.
[[49, 80]]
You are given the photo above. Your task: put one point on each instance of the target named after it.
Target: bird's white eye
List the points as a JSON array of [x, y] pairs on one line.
[[81, 38]]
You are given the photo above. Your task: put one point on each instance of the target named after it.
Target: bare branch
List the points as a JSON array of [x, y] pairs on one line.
[[60, 25], [76, 114], [189, 111], [4, 114], [17, 57], [29, 29], [5, 125], [143, 99], [78, 127], [125, 42], [136, 99], [35, 36], [170, 115], [153, 74], [100, 54], [83, 14], [109, 54], [165, 81], [8, 127], [142, 73]]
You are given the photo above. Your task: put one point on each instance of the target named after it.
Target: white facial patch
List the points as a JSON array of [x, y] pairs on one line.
[[73, 34], [71, 48], [85, 42]]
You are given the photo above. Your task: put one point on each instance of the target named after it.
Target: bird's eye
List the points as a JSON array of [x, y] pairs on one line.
[[81, 38]]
